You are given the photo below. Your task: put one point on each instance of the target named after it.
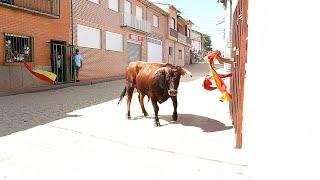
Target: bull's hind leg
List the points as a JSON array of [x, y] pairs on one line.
[[156, 110], [129, 97], [175, 105], [141, 97]]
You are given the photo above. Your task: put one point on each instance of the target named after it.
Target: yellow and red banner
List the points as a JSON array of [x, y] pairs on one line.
[[226, 96], [41, 74]]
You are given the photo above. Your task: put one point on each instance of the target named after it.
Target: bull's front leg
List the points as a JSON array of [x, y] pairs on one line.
[[175, 105], [156, 110]]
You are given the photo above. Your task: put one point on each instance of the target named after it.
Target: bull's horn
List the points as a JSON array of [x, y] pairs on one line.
[[160, 70], [186, 71]]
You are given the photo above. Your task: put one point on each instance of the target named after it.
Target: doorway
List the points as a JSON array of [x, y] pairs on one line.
[[61, 61]]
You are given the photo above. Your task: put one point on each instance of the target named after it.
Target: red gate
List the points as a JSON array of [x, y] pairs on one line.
[[239, 44]]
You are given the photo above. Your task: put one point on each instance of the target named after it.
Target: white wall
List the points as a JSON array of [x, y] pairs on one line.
[[281, 106], [196, 45]]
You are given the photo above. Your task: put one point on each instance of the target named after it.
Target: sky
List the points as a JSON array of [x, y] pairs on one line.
[[205, 14]]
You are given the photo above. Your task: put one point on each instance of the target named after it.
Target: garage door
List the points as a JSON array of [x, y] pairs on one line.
[[134, 52], [154, 50]]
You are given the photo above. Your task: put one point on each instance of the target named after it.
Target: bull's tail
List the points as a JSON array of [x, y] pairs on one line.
[[122, 94]]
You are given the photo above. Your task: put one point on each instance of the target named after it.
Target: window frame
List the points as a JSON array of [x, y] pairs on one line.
[[157, 21], [109, 3], [127, 4], [86, 43], [95, 1], [173, 23], [17, 53], [108, 48], [170, 51], [140, 8]]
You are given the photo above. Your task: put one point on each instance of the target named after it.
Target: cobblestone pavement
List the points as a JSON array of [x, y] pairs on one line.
[[80, 132]]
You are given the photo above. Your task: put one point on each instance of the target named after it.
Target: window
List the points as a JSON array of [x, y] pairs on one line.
[[127, 7], [170, 51], [155, 21], [95, 1], [180, 54], [188, 33], [173, 23], [89, 37], [18, 48], [114, 5], [7, 1], [114, 42], [139, 13]]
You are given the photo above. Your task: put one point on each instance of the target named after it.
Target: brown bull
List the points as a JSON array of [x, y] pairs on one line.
[[158, 81]]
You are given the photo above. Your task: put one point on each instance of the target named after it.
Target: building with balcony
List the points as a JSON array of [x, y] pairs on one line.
[[197, 41], [178, 43], [30, 31], [112, 33]]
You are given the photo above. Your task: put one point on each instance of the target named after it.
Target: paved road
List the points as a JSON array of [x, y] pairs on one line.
[[80, 132]]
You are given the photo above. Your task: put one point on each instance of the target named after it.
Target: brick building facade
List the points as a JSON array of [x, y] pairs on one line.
[[108, 33], [122, 31], [30, 25]]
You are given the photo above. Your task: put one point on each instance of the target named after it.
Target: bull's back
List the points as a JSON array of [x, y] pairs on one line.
[[143, 69], [145, 76]]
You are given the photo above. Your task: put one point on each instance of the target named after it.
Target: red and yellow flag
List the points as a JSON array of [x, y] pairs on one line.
[[41, 74], [226, 96]]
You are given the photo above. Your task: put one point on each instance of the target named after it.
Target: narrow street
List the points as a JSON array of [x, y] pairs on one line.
[[80, 132]]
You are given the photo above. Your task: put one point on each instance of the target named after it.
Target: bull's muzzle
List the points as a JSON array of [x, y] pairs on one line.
[[172, 92]]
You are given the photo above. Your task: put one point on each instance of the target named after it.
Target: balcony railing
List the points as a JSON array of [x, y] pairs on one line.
[[132, 21], [182, 38], [45, 7], [188, 40], [173, 33]]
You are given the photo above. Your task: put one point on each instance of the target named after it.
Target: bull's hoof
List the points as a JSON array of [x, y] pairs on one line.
[[145, 114], [128, 117], [157, 124], [174, 118]]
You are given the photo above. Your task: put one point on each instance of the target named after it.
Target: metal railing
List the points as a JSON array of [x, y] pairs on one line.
[[62, 63], [46, 7], [132, 21], [173, 33]]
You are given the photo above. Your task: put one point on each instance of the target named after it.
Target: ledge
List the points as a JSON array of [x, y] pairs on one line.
[[17, 64]]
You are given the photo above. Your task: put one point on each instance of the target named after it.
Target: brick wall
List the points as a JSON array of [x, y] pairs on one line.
[[102, 63], [42, 29]]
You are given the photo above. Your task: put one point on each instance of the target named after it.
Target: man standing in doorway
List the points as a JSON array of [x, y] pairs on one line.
[[77, 63]]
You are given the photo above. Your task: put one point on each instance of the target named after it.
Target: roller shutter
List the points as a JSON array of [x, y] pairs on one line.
[[154, 50], [134, 52]]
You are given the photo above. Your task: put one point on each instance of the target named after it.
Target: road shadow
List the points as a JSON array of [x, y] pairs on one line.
[[205, 123]]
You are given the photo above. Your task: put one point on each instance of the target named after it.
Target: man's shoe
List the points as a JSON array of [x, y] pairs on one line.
[[77, 81]]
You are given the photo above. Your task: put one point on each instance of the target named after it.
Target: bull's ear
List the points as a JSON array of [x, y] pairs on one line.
[[185, 71], [160, 70]]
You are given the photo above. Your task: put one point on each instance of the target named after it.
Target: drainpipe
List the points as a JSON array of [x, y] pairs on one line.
[[72, 35], [230, 29], [174, 53]]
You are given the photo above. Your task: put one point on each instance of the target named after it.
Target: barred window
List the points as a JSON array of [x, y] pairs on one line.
[[18, 48], [7, 1]]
